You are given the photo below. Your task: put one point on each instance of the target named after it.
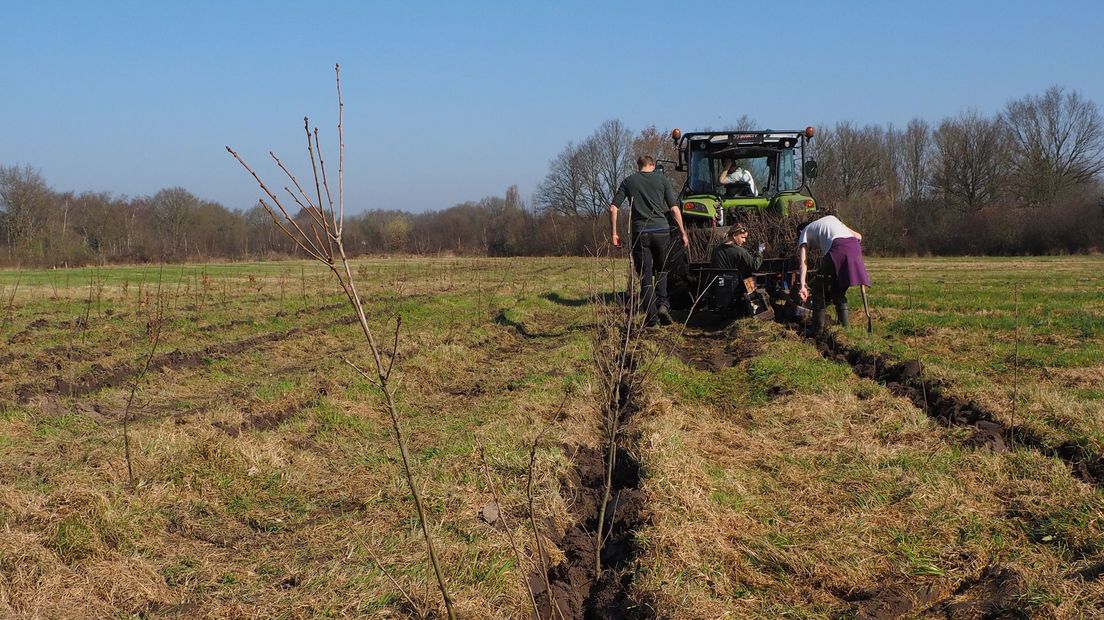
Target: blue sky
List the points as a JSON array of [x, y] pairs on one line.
[[454, 101]]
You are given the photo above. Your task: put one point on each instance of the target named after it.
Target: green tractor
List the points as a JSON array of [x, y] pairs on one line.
[[769, 196]]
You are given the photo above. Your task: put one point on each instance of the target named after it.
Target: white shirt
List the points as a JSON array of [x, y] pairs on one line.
[[820, 234], [739, 175]]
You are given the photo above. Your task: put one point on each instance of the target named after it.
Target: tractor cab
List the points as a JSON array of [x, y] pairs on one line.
[[764, 177], [757, 179]]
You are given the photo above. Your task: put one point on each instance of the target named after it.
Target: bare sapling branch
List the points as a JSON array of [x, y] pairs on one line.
[[155, 336], [11, 300], [386, 573], [332, 254], [553, 604], [623, 337], [325, 181], [315, 214], [508, 530], [394, 347]]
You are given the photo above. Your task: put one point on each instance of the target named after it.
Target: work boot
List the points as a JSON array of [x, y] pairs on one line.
[[819, 319], [664, 314], [841, 314]]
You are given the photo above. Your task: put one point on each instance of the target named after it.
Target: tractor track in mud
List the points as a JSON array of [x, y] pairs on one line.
[[100, 377], [577, 591], [905, 378]]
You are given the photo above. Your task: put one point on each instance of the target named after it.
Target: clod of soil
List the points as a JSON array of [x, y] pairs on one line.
[[893, 601], [992, 596]]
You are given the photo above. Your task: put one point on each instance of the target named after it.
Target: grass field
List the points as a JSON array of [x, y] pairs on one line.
[[779, 482]]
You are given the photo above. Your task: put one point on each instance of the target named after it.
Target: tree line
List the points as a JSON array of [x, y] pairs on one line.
[[1026, 180]]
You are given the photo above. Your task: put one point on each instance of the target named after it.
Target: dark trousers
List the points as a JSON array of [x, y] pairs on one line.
[[649, 252], [826, 286]]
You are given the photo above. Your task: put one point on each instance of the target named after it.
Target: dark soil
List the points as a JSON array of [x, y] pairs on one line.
[[993, 595], [891, 601], [576, 590], [716, 350], [27, 333], [266, 420], [906, 378]]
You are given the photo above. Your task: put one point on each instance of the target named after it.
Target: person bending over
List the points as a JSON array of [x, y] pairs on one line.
[[841, 266]]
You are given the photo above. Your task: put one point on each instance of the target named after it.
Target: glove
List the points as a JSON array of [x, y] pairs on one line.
[[762, 246]]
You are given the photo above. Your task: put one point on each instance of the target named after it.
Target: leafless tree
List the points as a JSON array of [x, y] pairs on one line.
[[970, 168], [564, 188], [615, 160], [24, 198], [914, 162], [853, 157], [1057, 142], [174, 211], [744, 123]]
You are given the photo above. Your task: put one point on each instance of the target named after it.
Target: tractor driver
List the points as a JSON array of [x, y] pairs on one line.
[[738, 178]]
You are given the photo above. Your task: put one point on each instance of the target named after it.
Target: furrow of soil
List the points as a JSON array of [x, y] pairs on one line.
[[577, 590], [54, 356], [995, 593], [100, 377], [906, 379]]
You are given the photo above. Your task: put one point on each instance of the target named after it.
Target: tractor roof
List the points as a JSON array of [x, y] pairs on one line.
[[746, 138]]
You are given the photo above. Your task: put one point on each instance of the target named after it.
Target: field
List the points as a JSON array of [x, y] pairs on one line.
[[948, 465]]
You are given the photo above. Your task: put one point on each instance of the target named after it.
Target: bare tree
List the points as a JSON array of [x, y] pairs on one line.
[[564, 188], [174, 211], [615, 160], [24, 198], [914, 162], [970, 161], [744, 123], [1057, 142], [857, 158]]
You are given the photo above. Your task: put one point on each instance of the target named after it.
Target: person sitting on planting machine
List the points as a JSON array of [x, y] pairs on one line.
[[732, 264], [841, 266]]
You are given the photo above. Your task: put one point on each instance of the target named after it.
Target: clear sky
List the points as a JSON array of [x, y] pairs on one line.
[[454, 101]]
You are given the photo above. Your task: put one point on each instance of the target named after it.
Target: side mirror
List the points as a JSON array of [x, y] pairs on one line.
[[810, 169]]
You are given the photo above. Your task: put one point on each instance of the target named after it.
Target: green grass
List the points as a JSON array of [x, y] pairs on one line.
[[991, 327]]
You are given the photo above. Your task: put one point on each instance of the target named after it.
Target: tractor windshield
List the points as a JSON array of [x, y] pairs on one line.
[[706, 170], [771, 170]]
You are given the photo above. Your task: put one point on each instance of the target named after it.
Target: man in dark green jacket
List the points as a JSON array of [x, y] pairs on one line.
[[651, 198], [731, 264]]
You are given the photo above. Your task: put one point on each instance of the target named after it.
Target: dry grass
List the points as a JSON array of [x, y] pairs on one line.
[[796, 505], [780, 485], [267, 483]]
